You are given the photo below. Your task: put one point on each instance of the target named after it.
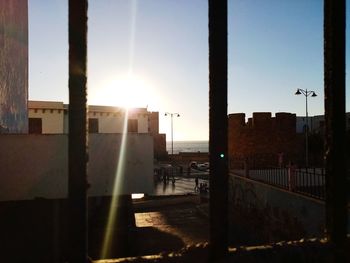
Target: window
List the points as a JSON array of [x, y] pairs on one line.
[[93, 125], [132, 126], [35, 125]]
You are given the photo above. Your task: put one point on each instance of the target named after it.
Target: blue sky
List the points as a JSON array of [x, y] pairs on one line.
[[158, 50]]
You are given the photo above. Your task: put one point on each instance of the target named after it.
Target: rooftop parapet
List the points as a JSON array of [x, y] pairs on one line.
[[285, 120], [236, 119], [262, 119]]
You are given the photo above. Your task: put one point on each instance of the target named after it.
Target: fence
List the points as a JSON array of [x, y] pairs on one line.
[[310, 182]]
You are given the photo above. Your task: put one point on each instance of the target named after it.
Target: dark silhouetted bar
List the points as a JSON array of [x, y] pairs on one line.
[[334, 88], [218, 128], [77, 142]]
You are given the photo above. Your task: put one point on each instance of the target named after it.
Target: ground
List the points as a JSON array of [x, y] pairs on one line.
[[168, 224]]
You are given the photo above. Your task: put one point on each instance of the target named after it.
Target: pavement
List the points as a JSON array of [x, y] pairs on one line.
[[182, 186], [168, 224], [163, 224]]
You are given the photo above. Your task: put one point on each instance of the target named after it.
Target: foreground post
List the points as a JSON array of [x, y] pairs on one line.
[[77, 139], [218, 128], [334, 87]]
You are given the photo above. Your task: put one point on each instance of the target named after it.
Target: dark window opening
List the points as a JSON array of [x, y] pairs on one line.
[[35, 125], [93, 125], [132, 126]]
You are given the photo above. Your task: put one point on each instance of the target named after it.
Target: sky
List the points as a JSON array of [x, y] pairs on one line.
[[154, 54]]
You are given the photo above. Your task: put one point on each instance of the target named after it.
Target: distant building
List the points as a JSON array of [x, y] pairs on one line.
[[316, 123], [13, 66], [50, 117], [46, 117]]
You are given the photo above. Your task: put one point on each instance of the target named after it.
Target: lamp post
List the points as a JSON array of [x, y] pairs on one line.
[[172, 138], [306, 93]]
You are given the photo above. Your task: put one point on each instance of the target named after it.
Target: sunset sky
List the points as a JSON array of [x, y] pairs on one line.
[[154, 53]]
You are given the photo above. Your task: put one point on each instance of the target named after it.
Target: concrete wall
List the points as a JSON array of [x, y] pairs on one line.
[[105, 156], [13, 66], [34, 166], [265, 213]]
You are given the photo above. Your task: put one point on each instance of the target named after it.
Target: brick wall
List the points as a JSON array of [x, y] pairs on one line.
[[159, 145], [264, 135]]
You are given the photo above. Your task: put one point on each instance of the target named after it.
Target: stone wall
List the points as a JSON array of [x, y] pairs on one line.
[[264, 137], [159, 145]]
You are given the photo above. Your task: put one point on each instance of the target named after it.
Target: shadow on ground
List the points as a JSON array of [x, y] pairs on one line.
[[150, 240]]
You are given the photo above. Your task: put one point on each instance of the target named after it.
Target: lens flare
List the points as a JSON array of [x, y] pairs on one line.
[[118, 180]]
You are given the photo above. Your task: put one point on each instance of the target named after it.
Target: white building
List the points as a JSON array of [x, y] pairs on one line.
[[49, 117], [316, 123], [39, 161], [46, 117]]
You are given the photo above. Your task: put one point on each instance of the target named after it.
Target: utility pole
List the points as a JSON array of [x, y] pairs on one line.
[[172, 135], [306, 93]]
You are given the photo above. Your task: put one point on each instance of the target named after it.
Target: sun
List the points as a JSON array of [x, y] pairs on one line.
[[128, 91]]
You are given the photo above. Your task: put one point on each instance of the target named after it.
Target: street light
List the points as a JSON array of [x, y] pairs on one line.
[[172, 138], [306, 93]]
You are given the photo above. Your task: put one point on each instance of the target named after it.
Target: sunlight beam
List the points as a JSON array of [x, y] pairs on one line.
[[118, 180]]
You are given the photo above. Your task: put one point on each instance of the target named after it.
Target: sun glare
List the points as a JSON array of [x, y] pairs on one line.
[[124, 91]]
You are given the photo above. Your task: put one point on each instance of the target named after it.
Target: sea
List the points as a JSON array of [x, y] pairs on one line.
[[188, 146]]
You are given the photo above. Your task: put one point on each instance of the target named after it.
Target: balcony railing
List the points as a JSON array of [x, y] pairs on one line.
[[309, 182]]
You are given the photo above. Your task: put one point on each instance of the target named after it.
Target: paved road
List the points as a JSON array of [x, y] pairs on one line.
[[182, 186], [170, 226]]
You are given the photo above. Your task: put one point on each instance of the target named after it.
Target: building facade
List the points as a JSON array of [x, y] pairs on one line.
[[316, 123], [51, 117]]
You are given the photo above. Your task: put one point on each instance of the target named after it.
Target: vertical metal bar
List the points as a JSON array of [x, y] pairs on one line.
[[323, 184], [307, 178], [314, 185], [77, 139], [334, 88], [272, 177], [218, 129], [286, 177], [320, 186]]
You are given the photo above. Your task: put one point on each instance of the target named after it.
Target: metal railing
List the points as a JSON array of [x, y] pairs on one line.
[[309, 182]]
